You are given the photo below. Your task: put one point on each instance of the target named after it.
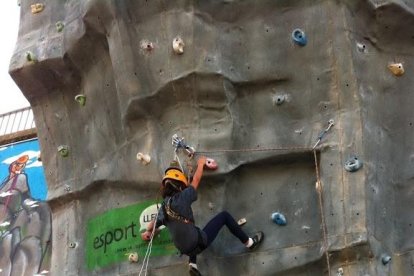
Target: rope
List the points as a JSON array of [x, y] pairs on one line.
[[149, 249], [323, 222], [254, 149]]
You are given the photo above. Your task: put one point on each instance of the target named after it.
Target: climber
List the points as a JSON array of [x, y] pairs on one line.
[[177, 215]]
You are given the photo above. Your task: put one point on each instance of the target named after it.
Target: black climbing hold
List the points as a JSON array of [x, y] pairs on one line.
[[279, 218], [299, 37], [353, 164]]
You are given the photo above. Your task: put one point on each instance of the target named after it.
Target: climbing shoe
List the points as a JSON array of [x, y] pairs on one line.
[[257, 240], [194, 271]]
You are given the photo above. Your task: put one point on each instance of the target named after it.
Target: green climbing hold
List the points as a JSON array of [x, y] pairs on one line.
[[30, 57], [63, 150], [59, 26], [81, 99]]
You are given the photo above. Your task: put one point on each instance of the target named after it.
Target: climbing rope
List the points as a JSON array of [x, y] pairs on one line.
[[323, 222], [149, 248], [293, 148]]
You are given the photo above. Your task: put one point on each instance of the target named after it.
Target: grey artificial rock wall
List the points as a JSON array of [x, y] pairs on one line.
[[221, 94]]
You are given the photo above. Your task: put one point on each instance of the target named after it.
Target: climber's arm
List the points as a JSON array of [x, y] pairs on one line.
[[199, 172]]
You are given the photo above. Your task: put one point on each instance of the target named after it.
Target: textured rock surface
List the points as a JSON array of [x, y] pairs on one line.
[[221, 94]]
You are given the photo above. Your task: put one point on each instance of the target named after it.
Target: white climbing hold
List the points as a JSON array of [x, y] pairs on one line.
[[340, 271], [146, 45], [133, 257], [396, 68], [361, 47], [178, 45], [36, 8], [73, 244], [144, 158], [211, 205], [241, 221]]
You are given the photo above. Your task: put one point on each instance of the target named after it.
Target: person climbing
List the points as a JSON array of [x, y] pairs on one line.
[[177, 215]]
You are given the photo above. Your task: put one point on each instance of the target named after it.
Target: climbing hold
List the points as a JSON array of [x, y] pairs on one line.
[[385, 259], [210, 205], [67, 188], [279, 99], [36, 8], [299, 37], [133, 257], [396, 68], [279, 218], [353, 164], [361, 47], [241, 221], [63, 150], [211, 164], [147, 45], [59, 26], [144, 158], [30, 57], [340, 271], [178, 45], [72, 244], [81, 99]]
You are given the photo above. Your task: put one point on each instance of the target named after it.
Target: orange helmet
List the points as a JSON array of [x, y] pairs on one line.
[[175, 174]]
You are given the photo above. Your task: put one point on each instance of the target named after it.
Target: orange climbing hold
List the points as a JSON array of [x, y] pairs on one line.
[[38, 7], [396, 68]]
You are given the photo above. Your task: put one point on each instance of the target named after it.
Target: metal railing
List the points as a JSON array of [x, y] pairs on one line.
[[16, 121]]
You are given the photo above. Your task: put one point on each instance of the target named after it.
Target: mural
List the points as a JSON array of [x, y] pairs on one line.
[[112, 236], [25, 219]]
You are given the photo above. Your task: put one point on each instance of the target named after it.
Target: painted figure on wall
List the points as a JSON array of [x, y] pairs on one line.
[[25, 221]]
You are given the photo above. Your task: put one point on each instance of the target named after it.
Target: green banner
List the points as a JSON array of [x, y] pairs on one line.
[[113, 235]]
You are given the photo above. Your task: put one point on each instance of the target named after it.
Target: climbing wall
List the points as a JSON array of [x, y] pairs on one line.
[[305, 105]]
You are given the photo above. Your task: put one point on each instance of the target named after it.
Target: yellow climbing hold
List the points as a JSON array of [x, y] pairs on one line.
[[38, 7], [396, 68]]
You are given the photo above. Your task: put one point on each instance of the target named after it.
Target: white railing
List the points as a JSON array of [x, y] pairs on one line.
[[16, 121]]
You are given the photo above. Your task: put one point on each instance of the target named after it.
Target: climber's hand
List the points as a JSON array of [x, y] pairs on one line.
[[146, 236], [201, 161]]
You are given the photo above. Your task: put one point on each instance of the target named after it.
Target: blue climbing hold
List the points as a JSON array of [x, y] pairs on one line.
[[299, 37], [385, 259], [353, 164], [279, 218]]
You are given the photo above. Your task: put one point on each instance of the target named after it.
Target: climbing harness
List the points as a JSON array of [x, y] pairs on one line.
[[174, 215]]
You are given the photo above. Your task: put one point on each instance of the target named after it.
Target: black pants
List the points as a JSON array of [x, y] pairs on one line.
[[213, 227]]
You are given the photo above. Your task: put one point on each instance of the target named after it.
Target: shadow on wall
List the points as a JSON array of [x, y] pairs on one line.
[[25, 220]]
